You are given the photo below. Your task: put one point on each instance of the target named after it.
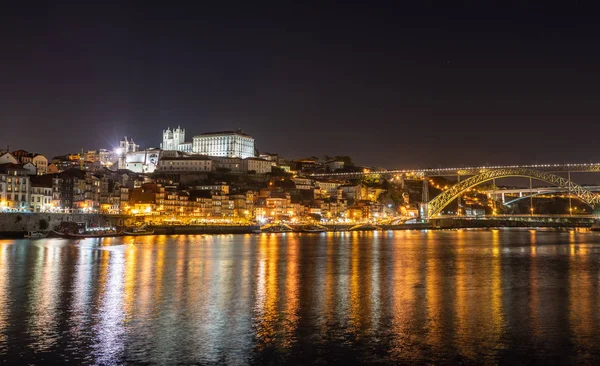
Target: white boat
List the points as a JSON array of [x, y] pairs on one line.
[[36, 234]]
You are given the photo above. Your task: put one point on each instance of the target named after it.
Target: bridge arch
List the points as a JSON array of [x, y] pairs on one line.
[[436, 205]]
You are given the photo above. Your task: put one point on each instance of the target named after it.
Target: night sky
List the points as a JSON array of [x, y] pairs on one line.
[[390, 85]]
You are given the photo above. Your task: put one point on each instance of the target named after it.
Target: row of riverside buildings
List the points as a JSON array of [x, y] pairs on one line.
[[217, 176], [159, 198]]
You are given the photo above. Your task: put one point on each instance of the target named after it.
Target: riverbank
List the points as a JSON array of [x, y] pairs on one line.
[[16, 225]]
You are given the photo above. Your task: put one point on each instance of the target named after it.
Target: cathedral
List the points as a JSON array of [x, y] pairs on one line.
[[174, 140]]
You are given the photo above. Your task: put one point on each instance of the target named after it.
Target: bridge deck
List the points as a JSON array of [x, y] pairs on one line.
[[555, 168]]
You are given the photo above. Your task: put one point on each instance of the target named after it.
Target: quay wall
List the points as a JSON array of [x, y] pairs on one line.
[[204, 229], [500, 223], [15, 224]]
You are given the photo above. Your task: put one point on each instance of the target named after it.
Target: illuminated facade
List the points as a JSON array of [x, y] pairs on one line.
[[14, 188], [41, 164], [143, 161], [259, 166], [233, 144], [174, 140], [128, 146], [40, 199], [185, 164]]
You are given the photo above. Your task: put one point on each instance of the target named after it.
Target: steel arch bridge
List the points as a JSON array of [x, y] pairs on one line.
[[436, 205]]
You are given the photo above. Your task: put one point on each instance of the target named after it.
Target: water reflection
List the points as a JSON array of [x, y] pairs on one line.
[[44, 298], [499, 296], [5, 300]]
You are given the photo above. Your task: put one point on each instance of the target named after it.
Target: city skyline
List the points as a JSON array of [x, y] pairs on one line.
[[391, 86]]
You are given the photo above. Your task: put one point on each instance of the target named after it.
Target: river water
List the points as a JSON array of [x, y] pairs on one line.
[[501, 296]]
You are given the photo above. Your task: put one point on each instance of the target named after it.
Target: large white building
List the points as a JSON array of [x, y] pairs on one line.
[[232, 144], [175, 140], [142, 161], [128, 146]]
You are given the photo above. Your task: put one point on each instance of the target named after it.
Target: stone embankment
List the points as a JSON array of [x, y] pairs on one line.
[[16, 224], [204, 229]]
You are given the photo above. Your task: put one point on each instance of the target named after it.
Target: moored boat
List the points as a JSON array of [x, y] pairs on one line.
[[73, 230], [86, 235], [365, 227], [138, 232], [313, 229], [36, 234], [276, 228]]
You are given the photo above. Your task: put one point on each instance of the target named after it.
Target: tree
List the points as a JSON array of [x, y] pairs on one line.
[[278, 172], [315, 216], [285, 183], [43, 224]]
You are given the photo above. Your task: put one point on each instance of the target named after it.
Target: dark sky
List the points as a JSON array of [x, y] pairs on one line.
[[390, 85]]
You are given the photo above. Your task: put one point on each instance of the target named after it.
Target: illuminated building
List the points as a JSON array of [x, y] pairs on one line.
[[14, 188], [40, 199], [233, 144], [31, 169], [259, 166], [41, 163], [7, 158], [185, 164], [174, 140], [128, 146], [233, 165], [141, 161]]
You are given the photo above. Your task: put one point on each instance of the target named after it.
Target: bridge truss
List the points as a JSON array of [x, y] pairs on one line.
[[436, 205]]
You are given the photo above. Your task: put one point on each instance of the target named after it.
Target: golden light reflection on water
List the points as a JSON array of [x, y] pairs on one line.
[[416, 297], [266, 304], [355, 290], [292, 297], [407, 283], [130, 281], [583, 298], [328, 295], [497, 311], [534, 285], [434, 295]]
